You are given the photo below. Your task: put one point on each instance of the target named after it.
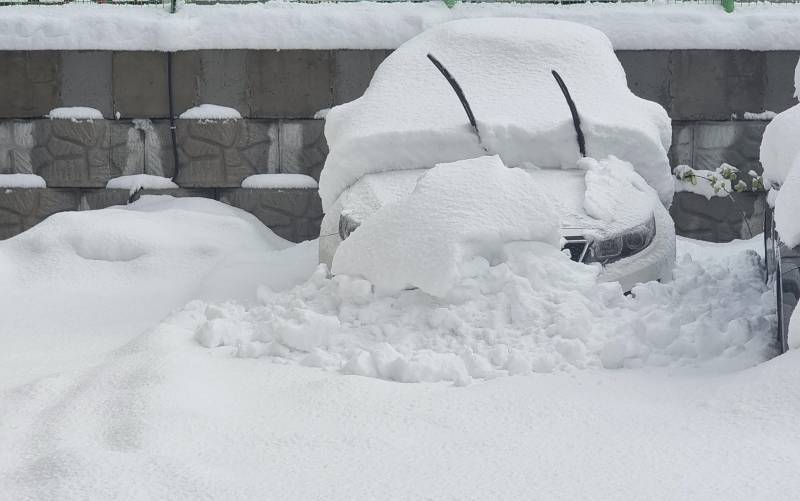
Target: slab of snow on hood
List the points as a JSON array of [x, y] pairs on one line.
[[614, 190], [277, 181], [410, 118], [22, 181], [458, 216], [210, 112], [135, 182], [75, 113]]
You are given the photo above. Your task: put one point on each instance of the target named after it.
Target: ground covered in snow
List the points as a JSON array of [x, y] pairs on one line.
[[375, 25], [107, 392]]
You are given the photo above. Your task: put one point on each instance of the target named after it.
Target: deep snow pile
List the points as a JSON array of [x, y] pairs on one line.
[[780, 157], [536, 312], [410, 118], [459, 215], [82, 283]]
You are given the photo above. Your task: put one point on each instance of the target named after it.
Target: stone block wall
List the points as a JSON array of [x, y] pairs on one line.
[[279, 92]]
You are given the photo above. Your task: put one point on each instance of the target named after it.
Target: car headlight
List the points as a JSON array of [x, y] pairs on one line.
[[614, 248]]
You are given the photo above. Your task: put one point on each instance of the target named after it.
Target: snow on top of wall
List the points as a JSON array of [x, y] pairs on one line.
[[21, 181], [279, 181], [135, 182], [210, 112], [373, 25], [75, 113]]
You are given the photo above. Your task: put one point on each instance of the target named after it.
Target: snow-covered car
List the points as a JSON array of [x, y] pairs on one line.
[[780, 157], [549, 97]]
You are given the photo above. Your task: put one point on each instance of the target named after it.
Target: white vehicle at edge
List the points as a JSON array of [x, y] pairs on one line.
[[613, 210]]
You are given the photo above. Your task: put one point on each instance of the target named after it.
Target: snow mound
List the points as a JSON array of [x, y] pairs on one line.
[[410, 118], [279, 181], [455, 222], [536, 312], [135, 182], [75, 113], [22, 181], [787, 207], [210, 112], [780, 147]]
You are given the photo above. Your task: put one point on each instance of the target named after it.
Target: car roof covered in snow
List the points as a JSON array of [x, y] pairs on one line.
[[409, 117]]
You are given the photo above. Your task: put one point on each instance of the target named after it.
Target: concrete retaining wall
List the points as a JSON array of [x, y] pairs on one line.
[[278, 93]]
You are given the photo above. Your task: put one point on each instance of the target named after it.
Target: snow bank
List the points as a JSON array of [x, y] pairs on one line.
[[279, 181], [136, 182], [75, 113], [376, 25], [454, 222], [780, 147], [787, 207], [410, 118], [210, 112], [537, 311], [21, 181]]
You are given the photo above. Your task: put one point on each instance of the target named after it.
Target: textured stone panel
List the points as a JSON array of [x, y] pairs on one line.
[[734, 142], [72, 154], [289, 83], [292, 214], [353, 70], [141, 146], [101, 198], [16, 143], [719, 219], [303, 147], [140, 84], [222, 153], [28, 83], [713, 84], [179, 193], [86, 80], [779, 93], [21, 209], [648, 73]]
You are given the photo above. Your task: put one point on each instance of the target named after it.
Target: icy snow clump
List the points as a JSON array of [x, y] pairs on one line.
[[75, 113], [454, 223], [135, 182], [277, 181], [22, 181], [210, 112], [409, 117]]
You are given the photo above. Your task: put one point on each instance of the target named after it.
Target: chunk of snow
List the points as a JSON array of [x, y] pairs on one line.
[[276, 181], [410, 118], [787, 207], [458, 213], [22, 181], [135, 182], [381, 25], [534, 310], [779, 146], [322, 113], [75, 113], [210, 112], [764, 115]]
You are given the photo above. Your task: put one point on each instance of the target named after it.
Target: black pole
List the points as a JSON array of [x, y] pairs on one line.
[[176, 170]]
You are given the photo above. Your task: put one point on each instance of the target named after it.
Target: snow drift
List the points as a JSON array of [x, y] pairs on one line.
[[410, 118]]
